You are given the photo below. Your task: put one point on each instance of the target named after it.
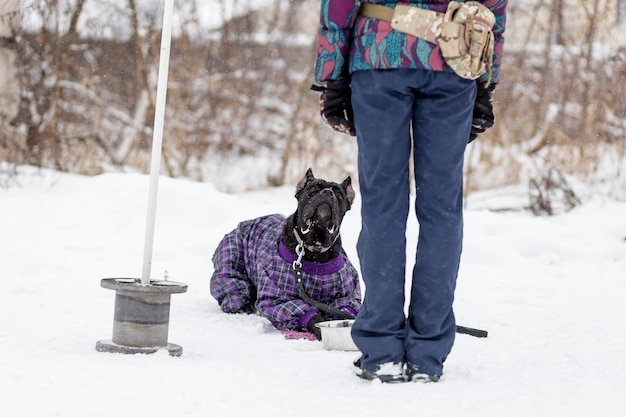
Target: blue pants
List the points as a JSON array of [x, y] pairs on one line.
[[394, 109]]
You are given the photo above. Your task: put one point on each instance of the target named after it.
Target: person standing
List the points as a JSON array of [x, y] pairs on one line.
[[396, 80]]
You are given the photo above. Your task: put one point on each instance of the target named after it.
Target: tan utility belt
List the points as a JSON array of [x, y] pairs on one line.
[[463, 32], [421, 23]]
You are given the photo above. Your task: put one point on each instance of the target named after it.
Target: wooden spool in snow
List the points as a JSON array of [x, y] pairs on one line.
[[141, 318]]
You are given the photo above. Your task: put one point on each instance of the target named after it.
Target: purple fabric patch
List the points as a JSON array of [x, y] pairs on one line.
[[310, 267], [349, 309], [295, 335], [304, 320]]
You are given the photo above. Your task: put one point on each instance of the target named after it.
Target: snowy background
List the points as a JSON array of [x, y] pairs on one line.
[[550, 291], [212, 14]]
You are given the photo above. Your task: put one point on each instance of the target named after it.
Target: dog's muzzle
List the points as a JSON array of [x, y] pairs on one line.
[[319, 227]]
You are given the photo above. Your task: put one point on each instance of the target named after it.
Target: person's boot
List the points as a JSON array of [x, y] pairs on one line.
[[415, 376], [388, 373]]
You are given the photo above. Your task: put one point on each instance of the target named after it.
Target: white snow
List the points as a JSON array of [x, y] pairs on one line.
[[550, 291]]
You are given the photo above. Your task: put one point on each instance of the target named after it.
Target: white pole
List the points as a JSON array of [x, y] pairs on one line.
[[157, 138]]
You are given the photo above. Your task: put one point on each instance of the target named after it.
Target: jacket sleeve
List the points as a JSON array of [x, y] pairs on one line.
[[498, 7], [230, 284], [350, 297], [284, 310], [335, 35], [277, 294]]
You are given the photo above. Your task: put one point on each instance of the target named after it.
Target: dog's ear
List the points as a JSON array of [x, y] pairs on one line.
[[347, 186], [308, 177]]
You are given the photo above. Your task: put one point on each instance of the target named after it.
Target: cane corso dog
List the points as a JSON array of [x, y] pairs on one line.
[[258, 266]]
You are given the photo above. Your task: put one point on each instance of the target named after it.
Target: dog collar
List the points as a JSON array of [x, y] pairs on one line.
[[312, 267]]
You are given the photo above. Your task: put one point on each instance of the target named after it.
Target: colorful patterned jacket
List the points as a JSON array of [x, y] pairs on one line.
[[348, 42], [252, 267]]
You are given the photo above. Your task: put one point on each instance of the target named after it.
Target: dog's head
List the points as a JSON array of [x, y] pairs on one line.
[[321, 207]]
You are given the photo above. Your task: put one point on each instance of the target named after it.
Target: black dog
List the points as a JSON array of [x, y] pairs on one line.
[[317, 220], [259, 264]]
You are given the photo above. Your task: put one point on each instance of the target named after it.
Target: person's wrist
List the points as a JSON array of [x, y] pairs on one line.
[[338, 84]]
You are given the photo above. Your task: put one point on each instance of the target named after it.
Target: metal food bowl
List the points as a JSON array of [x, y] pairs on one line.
[[336, 335]]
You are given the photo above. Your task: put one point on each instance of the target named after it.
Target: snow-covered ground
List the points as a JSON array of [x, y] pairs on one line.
[[550, 290]]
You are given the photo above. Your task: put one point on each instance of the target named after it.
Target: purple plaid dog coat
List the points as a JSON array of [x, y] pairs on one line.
[[253, 267]]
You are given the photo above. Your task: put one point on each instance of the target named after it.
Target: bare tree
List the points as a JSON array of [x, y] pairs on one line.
[[558, 108], [239, 91], [41, 106]]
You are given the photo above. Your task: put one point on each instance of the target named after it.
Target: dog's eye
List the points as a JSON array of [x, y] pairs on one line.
[[314, 189], [339, 193]]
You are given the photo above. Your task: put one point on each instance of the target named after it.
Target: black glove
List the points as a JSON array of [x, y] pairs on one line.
[[311, 328], [483, 117], [336, 105]]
